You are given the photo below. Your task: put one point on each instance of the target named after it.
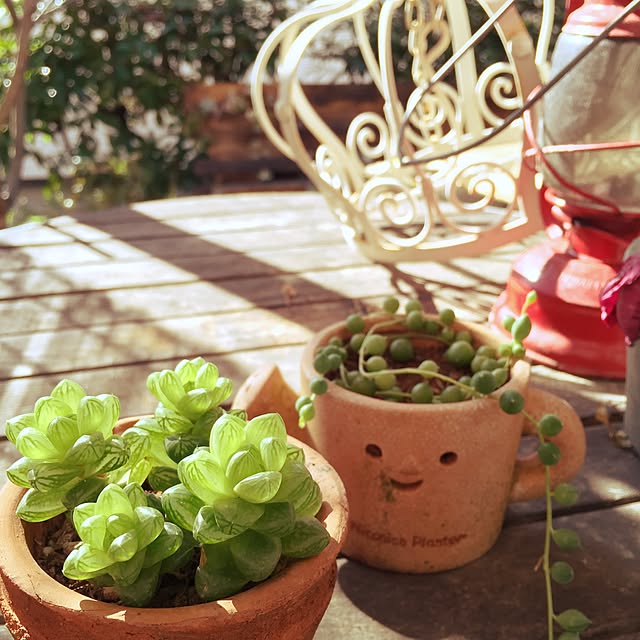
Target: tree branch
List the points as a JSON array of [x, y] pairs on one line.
[[12, 11], [22, 28], [12, 111], [14, 175]]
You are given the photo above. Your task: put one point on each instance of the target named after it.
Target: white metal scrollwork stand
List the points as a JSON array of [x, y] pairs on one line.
[[394, 210]]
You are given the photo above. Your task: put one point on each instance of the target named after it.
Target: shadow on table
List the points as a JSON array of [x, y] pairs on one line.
[[207, 259], [500, 596], [87, 292]]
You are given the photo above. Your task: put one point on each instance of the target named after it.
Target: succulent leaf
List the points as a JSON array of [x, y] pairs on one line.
[[32, 443], [92, 415], [180, 446], [87, 450], [172, 388], [114, 456], [93, 530], [269, 425], [113, 499], [161, 478], [140, 592], [255, 555], [181, 506], [126, 573], [222, 391], [183, 555], [83, 512], [48, 408], [19, 472], [201, 474], [227, 436], [217, 577], [207, 376], [153, 384], [259, 487], [294, 478], [171, 422], [69, 392], [203, 425], [124, 547], [148, 424], [307, 539], [137, 496], [164, 545], [85, 491], [235, 515], [85, 562], [273, 452], [195, 403], [62, 433], [35, 506], [111, 406], [187, 371], [140, 471], [117, 524], [573, 620], [138, 443], [47, 476], [149, 524], [206, 529], [295, 453], [15, 425], [244, 463], [278, 519], [309, 503]]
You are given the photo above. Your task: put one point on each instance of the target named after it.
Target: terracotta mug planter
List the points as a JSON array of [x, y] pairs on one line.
[[288, 606], [428, 484]]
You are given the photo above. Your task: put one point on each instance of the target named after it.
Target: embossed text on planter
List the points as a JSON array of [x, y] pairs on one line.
[[400, 541]]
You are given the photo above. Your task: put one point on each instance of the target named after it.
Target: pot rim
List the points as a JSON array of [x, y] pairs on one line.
[[519, 372], [18, 565]]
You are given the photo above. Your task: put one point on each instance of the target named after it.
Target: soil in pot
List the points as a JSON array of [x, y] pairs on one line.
[[175, 590], [60, 538]]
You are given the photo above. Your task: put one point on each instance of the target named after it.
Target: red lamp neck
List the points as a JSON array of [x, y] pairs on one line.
[[590, 18]]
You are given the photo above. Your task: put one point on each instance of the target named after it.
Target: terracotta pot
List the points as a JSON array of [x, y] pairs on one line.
[[428, 484], [288, 606]]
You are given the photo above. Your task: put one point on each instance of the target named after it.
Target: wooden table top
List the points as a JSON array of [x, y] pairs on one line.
[[244, 280]]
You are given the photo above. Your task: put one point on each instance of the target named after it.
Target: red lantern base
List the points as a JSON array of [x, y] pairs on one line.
[[568, 333]]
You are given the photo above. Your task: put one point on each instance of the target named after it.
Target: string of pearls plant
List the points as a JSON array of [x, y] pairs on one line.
[[386, 366]]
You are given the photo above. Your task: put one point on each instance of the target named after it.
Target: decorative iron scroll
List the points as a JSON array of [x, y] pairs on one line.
[[395, 203]]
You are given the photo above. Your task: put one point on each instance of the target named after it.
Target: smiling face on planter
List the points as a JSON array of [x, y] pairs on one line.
[[428, 482], [407, 467]]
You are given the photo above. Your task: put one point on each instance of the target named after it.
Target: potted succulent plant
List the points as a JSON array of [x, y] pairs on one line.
[[423, 416], [193, 522], [106, 100]]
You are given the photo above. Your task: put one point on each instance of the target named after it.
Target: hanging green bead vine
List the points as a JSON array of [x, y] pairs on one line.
[[372, 375]]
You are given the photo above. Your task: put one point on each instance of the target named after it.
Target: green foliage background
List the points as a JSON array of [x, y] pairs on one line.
[[115, 71], [105, 86]]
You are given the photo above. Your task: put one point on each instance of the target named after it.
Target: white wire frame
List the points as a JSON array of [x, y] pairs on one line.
[[391, 209]]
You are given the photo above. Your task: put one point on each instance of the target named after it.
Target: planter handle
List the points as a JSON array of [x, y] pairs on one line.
[[529, 474]]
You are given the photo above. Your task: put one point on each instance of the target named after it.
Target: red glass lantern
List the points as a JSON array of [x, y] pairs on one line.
[[587, 136]]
